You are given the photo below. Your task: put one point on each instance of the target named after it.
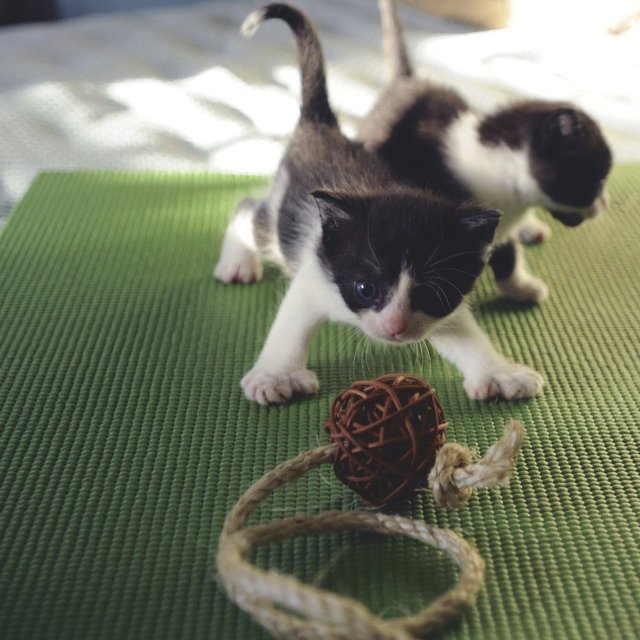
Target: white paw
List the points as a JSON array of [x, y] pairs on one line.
[[276, 388], [238, 266], [240, 260], [529, 289], [511, 382], [533, 231]]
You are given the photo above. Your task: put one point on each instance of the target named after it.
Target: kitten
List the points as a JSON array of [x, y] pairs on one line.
[[530, 154], [361, 248]]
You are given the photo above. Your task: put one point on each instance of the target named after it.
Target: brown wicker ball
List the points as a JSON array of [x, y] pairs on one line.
[[388, 432]]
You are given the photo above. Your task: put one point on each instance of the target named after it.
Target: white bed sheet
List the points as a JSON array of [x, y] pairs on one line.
[[178, 89]]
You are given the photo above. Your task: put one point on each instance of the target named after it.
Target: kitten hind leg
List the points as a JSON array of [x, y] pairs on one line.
[[239, 259], [532, 230], [512, 276]]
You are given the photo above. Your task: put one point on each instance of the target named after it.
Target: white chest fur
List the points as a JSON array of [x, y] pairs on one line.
[[498, 175]]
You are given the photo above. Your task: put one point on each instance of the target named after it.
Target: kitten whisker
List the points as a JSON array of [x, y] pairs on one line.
[[450, 257], [357, 357], [467, 273], [435, 250], [448, 282], [431, 285], [373, 251]]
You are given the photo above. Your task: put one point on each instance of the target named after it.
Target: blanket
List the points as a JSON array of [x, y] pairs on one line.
[[179, 89]]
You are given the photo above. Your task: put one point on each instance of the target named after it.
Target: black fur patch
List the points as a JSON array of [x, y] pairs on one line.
[[512, 125], [568, 155], [567, 219], [413, 149], [503, 260]]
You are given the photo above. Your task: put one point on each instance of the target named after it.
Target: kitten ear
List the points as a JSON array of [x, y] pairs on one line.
[[332, 207], [563, 126], [477, 223]]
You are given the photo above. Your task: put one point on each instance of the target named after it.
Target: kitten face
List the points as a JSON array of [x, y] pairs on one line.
[[570, 160], [402, 262]]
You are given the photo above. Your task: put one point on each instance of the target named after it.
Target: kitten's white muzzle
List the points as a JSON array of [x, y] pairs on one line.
[[394, 325], [396, 330]]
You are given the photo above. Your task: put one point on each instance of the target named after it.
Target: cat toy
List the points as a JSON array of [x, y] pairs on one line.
[[387, 439]]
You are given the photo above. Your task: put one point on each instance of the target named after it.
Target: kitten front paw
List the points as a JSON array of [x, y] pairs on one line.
[[529, 289], [275, 388], [511, 382], [238, 265], [533, 231]]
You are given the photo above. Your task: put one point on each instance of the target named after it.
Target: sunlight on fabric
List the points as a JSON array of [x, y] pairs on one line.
[[165, 104], [269, 108], [568, 16], [591, 68], [249, 155], [232, 123]]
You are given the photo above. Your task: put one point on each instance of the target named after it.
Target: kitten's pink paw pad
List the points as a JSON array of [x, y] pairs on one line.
[[275, 388], [531, 289], [513, 382]]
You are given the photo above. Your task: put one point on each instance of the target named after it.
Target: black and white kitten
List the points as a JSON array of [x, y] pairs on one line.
[[362, 249], [529, 154]]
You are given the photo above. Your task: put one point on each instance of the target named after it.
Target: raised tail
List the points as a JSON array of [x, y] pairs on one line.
[[393, 41], [315, 100]]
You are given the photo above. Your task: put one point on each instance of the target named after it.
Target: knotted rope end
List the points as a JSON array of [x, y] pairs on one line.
[[454, 474]]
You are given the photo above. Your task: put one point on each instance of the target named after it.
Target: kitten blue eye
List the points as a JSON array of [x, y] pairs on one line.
[[365, 290]]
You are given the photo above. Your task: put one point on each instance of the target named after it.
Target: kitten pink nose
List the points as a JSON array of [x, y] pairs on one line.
[[394, 325]]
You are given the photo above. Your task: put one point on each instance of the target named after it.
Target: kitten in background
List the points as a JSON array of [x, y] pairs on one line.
[[362, 248], [532, 153]]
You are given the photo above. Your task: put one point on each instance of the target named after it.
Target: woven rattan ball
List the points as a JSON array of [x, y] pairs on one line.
[[388, 432]]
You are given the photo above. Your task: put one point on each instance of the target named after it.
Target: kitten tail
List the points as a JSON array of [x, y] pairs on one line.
[[315, 100], [252, 22], [393, 40]]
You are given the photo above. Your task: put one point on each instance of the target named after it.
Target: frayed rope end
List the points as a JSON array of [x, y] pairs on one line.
[[454, 474]]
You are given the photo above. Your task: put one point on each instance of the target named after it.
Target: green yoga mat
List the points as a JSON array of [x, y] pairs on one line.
[[125, 438]]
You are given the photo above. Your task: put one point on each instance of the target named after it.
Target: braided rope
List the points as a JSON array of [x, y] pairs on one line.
[[291, 609]]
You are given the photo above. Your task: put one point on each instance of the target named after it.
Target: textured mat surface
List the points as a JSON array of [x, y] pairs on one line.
[[125, 439]]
